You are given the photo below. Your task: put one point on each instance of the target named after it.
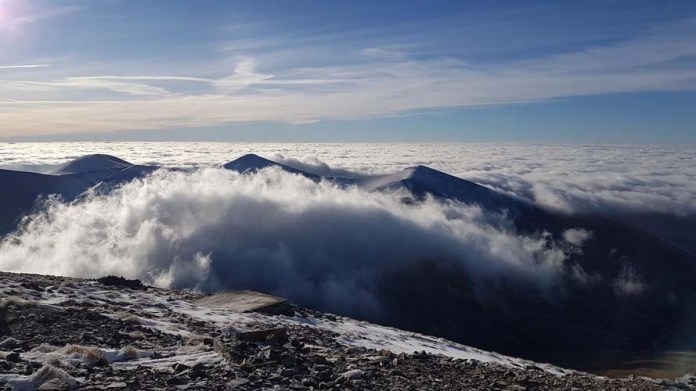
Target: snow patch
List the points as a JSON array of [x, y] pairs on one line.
[[90, 163]]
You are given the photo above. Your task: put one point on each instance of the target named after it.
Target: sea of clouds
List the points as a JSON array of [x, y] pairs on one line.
[[317, 243], [573, 178], [326, 246]]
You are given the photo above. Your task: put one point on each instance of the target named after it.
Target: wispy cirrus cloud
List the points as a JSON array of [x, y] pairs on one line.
[[24, 66], [379, 82], [84, 83]]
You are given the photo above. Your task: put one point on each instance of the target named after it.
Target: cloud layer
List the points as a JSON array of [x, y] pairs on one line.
[[576, 179], [276, 232], [370, 255]]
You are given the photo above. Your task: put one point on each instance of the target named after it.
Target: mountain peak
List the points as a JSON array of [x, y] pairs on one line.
[[418, 173], [252, 163], [89, 163]]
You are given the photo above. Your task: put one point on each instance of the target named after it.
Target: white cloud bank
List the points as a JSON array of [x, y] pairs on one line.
[[275, 232], [571, 178]]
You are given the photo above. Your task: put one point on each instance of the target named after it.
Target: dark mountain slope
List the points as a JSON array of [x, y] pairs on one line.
[[20, 190], [622, 288]]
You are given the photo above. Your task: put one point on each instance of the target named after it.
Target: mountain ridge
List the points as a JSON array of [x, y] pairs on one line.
[[591, 311]]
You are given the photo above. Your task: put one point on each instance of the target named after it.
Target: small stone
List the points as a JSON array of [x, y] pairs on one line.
[[10, 344], [235, 383], [179, 367], [354, 374], [116, 385], [13, 357]]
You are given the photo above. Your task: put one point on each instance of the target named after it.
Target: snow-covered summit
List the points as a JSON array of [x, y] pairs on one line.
[[422, 180], [20, 189], [251, 163], [89, 163]]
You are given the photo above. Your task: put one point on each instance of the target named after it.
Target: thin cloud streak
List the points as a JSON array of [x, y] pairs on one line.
[[377, 85], [24, 66]]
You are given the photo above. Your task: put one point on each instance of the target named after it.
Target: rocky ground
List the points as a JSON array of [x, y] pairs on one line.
[[59, 333]]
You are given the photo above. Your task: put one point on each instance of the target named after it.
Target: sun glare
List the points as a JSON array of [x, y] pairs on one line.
[[4, 13], [10, 20]]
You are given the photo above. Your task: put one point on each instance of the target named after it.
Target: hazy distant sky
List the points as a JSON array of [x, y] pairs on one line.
[[535, 71]]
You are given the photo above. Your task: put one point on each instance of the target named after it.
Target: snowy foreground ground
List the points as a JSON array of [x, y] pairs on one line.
[[64, 333]]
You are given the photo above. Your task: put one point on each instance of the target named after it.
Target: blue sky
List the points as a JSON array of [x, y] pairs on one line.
[[533, 71]]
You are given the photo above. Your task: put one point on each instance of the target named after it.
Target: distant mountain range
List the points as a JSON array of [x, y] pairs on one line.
[[431, 297], [20, 190]]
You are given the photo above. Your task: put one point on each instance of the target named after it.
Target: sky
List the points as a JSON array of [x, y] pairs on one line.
[[338, 70]]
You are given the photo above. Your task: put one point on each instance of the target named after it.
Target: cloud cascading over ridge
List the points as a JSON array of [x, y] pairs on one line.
[[275, 232]]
